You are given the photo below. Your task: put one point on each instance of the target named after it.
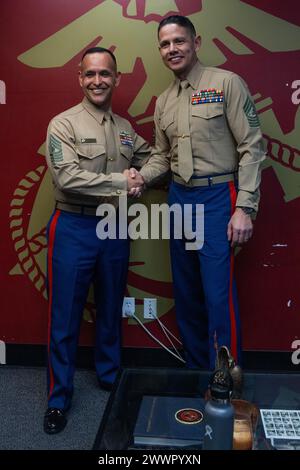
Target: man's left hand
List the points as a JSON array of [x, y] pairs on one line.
[[240, 228]]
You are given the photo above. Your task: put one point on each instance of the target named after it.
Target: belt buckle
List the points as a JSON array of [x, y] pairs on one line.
[[210, 180]]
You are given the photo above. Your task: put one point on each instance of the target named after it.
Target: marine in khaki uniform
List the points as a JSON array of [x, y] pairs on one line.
[[89, 151], [207, 132]]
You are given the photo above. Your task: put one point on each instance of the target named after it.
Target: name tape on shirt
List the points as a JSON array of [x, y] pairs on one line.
[[88, 140], [209, 95], [126, 139]]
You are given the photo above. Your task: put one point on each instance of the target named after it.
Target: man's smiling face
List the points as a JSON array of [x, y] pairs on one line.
[[178, 48], [98, 77]]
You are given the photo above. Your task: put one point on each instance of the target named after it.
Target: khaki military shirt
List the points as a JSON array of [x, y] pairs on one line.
[[225, 135], [85, 167]]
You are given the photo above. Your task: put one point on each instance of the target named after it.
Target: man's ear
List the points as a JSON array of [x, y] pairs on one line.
[[118, 79], [197, 42], [80, 78]]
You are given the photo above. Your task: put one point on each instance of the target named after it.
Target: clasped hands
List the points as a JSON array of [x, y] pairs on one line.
[[135, 182]]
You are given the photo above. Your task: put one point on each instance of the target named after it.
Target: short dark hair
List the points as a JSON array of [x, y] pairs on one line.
[[99, 50], [180, 20]]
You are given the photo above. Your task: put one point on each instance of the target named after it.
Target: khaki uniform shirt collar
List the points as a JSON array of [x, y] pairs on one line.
[[98, 113], [193, 77]]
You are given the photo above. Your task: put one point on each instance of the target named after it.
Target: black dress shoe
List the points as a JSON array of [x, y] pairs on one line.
[[107, 386], [54, 420]]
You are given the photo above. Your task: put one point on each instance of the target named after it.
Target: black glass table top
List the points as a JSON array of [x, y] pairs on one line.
[[266, 390]]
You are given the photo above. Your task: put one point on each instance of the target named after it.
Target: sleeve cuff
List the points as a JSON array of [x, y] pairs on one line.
[[119, 184], [146, 174], [247, 199]]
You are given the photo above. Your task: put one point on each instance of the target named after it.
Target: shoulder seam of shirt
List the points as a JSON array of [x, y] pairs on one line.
[[219, 70], [122, 120], [70, 112], [165, 92]]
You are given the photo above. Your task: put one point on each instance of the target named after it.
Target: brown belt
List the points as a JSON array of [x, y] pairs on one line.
[[76, 208], [205, 181]]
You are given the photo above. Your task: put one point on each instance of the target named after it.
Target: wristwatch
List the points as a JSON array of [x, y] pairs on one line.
[[247, 210]]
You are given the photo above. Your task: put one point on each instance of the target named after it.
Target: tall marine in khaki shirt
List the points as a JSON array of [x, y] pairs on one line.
[[208, 134], [225, 135], [89, 152]]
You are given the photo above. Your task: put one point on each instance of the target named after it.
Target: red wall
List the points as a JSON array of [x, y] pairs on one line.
[[35, 89]]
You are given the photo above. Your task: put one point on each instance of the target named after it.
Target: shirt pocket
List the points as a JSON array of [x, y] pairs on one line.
[[91, 157], [126, 152], [208, 121], [168, 125]]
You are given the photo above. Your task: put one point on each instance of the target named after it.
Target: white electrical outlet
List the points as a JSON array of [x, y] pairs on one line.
[[150, 308], [128, 308]]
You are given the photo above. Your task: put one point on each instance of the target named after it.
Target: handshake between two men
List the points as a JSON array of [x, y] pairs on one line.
[[135, 182]]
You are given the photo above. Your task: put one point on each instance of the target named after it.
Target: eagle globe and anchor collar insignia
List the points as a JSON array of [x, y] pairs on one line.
[[208, 95]]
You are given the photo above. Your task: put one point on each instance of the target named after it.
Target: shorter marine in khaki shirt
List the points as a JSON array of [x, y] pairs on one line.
[[88, 150]]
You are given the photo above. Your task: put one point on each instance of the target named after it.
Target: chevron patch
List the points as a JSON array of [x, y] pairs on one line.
[[251, 114], [55, 149]]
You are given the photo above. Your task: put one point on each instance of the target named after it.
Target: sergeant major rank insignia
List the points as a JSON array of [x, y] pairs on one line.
[[55, 150], [126, 139], [250, 111], [209, 95]]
